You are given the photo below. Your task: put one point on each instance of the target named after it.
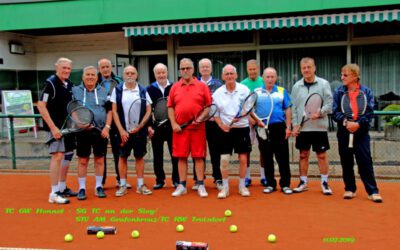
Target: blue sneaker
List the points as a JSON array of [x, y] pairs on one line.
[[82, 194], [263, 182], [247, 182]]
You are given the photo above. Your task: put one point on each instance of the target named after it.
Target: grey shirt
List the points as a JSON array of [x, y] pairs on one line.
[[299, 95], [94, 100]]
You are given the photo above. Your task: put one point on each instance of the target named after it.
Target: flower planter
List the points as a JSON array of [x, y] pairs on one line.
[[392, 132]]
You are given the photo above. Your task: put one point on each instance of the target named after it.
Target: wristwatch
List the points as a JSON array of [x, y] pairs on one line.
[[108, 126]]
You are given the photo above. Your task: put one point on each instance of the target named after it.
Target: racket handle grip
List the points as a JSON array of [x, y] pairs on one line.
[[184, 125], [106, 230], [351, 138]]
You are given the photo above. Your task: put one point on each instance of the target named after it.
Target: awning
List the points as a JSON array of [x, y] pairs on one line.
[[265, 23]]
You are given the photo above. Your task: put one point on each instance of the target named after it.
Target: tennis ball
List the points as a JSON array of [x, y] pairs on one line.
[[135, 234], [100, 235], [68, 237], [233, 228], [180, 228], [228, 213], [272, 238]]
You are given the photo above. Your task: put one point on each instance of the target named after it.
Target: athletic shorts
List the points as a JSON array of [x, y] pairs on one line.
[[189, 141], [318, 140], [237, 140], [88, 140], [137, 144], [65, 144]]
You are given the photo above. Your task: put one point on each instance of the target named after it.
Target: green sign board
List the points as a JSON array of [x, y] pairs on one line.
[[19, 102]]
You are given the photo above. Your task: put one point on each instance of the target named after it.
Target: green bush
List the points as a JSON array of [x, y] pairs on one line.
[[395, 121], [391, 107]]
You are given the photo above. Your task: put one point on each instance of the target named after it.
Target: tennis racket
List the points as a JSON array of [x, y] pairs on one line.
[[312, 106], [79, 118], [202, 115], [353, 106], [263, 111], [134, 115], [246, 107], [95, 110], [160, 112]]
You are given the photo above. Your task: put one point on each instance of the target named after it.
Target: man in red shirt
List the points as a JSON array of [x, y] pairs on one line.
[[186, 99]]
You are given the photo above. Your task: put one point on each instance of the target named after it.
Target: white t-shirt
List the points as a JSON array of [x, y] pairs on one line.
[[229, 103], [128, 97]]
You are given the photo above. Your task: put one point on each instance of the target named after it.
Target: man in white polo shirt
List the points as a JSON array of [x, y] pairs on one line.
[[228, 99]]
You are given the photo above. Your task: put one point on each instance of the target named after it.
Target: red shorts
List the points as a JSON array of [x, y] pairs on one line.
[[191, 141]]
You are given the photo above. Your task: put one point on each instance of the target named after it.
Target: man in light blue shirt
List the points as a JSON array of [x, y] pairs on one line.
[[279, 132]]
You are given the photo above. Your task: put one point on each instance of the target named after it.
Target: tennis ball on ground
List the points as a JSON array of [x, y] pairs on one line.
[[100, 235], [180, 228], [68, 237], [272, 238], [233, 228], [228, 213], [135, 234]]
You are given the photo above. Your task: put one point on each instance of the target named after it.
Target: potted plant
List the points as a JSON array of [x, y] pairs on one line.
[[392, 125]]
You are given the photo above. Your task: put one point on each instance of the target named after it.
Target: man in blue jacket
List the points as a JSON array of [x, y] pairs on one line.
[[159, 133], [108, 80], [360, 127]]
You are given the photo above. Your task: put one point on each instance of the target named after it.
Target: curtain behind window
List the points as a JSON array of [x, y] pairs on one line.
[[380, 67], [328, 60]]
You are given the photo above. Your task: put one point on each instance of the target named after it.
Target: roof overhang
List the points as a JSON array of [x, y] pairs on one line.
[[264, 23]]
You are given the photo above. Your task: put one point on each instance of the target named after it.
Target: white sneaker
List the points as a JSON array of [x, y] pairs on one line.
[[326, 190], [244, 191], [223, 193], [121, 191], [55, 198], [143, 190], [202, 191], [195, 187], [128, 186], [301, 187], [220, 186], [180, 190]]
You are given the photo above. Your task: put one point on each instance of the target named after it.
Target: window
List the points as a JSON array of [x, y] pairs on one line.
[[328, 60]]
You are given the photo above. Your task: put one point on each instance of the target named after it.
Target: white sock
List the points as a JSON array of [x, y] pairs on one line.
[[248, 172], [242, 182], [54, 189], [62, 185], [123, 182], [82, 182], [304, 179], [225, 183], [139, 182], [262, 173], [99, 179], [324, 178]]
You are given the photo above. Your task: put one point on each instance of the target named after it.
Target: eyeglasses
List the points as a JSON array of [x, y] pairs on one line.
[[186, 68]]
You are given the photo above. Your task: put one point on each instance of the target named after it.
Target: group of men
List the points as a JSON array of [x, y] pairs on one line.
[[110, 99]]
